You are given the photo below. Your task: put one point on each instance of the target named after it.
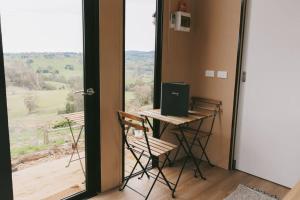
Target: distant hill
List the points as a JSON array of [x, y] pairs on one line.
[[138, 63], [139, 54]]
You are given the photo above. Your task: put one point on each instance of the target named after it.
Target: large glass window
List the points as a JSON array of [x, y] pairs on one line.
[[43, 60], [139, 61]]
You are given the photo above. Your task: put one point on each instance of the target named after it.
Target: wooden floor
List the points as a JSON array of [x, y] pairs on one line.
[[219, 184]]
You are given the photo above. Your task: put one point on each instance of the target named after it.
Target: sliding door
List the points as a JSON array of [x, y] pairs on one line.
[[142, 61], [50, 108], [5, 165]]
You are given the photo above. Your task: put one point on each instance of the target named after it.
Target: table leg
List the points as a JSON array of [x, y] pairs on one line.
[[78, 151], [163, 130], [181, 139], [73, 138], [151, 126], [75, 147], [191, 153]]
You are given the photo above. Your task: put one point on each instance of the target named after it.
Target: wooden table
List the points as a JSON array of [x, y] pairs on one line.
[[180, 123], [193, 116], [155, 114], [294, 194]]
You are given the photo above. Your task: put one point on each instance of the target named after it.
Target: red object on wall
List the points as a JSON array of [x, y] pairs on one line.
[[182, 6]]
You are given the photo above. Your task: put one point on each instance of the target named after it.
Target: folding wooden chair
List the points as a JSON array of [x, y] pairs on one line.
[[145, 146], [202, 107]]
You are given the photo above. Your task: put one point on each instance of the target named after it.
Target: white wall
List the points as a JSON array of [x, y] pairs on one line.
[[268, 137]]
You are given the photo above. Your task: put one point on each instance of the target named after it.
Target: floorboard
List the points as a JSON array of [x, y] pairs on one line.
[[219, 184]]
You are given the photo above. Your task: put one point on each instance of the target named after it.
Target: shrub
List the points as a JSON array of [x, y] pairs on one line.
[[61, 124], [47, 86], [30, 103]]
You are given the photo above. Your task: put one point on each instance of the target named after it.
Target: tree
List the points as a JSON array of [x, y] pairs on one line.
[[143, 94], [30, 103], [75, 103], [29, 61]]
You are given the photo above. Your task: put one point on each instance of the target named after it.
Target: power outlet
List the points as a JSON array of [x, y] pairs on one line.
[[222, 74], [209, 73]]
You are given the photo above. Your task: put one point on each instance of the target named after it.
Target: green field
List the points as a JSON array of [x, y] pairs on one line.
[[26, 129], [45, 80], [48, 101], [40, 88], [51, 61]]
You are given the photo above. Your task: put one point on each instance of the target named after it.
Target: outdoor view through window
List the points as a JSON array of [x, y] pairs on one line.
[[139, 63], [43, 58], [139, 54]]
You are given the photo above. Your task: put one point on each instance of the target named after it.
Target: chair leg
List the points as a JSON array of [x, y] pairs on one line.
[[130, 175], [203, 148], [139, 162], [159, 172], [145, 168], [165, 179], [163, 175], [70, 160]]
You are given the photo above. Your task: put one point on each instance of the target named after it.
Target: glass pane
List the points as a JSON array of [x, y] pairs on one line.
[[42, 43], [139, 62]]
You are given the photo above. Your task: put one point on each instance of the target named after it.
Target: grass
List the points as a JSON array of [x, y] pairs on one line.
[[57, 85], [19, 151], [48, 101], [129, 96], [26, 129]]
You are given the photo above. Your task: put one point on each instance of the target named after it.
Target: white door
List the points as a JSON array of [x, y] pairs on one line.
[[268, 133]]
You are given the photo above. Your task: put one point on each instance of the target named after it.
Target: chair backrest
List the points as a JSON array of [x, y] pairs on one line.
[[210, 105], [128, 121], [132, 121]]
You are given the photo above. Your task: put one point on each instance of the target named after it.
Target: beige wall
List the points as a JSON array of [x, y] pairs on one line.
[[212, 44], [176, 63], [111, 36], [215, 34]]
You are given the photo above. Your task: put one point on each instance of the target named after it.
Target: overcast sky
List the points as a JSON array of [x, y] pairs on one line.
[[56, 25]]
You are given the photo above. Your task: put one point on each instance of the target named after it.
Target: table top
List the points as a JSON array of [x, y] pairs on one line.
[[155, 114], [77, 117]]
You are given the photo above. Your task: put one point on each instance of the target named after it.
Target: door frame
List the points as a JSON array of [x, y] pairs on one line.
[[5, 161], [238, 77], [157, 71], [90, 15]]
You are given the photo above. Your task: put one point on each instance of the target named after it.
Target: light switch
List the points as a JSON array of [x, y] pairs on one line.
[[209, 73], [222, 74]]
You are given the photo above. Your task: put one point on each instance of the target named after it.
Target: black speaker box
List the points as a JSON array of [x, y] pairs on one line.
[[175, 99]]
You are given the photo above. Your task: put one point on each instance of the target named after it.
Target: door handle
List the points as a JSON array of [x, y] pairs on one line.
[[244, 75], [89, 92]]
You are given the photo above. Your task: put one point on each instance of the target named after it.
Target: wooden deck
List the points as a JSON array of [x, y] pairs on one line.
[[48, 180], [219, 184]]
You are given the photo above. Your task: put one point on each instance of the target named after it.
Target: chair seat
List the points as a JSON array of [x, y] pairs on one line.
[[158, 147]]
